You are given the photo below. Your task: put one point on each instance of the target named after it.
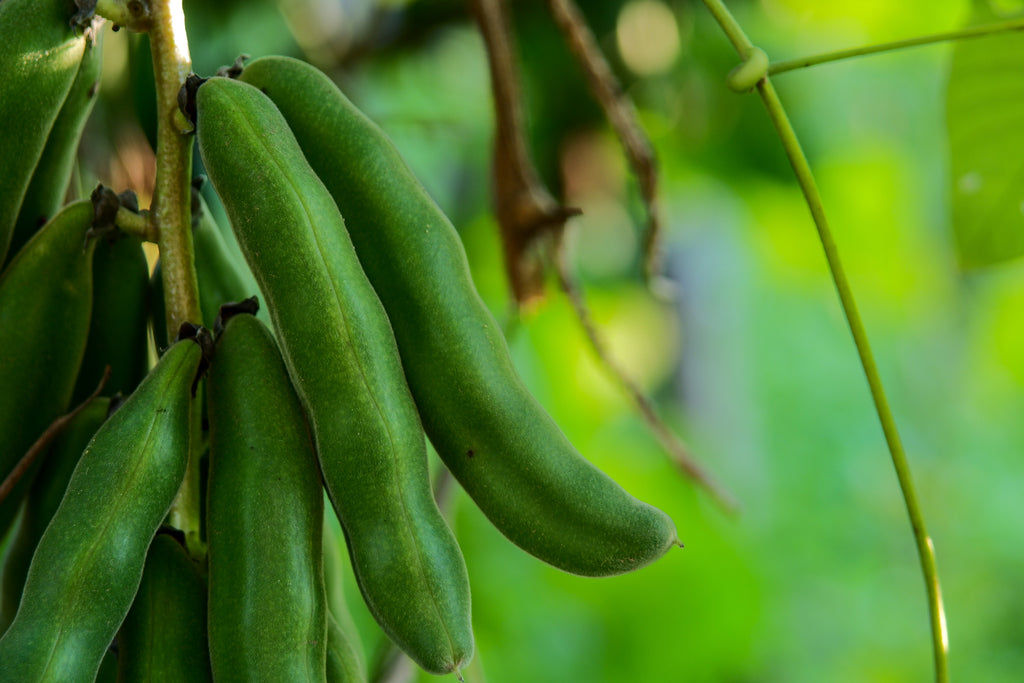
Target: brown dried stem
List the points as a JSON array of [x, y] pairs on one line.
[[47, 438], [621, 114], [673, 445], [526, 211]]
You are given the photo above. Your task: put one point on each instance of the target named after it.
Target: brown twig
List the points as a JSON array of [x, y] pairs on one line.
[[672, 444], [47, 438], [621, 114], [526, 211]]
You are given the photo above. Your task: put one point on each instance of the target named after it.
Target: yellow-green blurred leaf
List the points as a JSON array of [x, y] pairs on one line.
[[985, 110]]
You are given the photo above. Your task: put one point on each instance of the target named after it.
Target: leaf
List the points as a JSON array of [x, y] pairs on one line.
[[985, 120]]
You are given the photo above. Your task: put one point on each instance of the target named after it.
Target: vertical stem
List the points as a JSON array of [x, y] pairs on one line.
[[925, 547], [171, 215], [171, 209], [525, 210], [802, 170]]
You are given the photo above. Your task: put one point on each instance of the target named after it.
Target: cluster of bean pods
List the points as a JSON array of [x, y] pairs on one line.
[[377, 341]]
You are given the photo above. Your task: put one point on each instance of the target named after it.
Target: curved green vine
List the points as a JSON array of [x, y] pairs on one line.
[[1016, 24], [805, 178]]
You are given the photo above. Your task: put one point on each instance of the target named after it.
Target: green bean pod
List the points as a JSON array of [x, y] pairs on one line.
[[39, 58], [342, 358], [117, 328], [501, 445], [163, 637], [45, 306], [42, 501], [52, 174], [265, 508], [88, 564]]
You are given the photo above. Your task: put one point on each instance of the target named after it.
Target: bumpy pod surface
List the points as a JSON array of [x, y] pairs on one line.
[[501, 445], [341, 356]]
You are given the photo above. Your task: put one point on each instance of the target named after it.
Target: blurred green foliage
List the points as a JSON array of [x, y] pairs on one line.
[[984, 101], [817, 579]]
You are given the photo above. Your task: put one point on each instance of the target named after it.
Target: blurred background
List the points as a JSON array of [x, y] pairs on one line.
[[751, 360]]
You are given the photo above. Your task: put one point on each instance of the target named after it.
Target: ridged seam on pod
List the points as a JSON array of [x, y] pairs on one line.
[[337, 342], [45, 307], [39, 58], [89, 561], [500, 444], [268, 609]]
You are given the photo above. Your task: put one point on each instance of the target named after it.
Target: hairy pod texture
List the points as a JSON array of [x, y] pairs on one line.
[[341, 356], [88, 564], [501, 445]]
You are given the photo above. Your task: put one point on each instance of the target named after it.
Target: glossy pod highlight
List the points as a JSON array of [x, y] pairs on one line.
[[50, 178], [341, 356], [500, 444], [32, 91]]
